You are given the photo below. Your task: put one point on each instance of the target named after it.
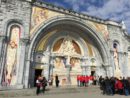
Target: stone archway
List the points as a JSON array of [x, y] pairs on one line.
[[42, 30]]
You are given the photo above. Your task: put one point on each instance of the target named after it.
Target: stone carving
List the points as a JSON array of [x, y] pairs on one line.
[[69, 56], [67, 47], [38, 15], [59, 63], [117, 71]]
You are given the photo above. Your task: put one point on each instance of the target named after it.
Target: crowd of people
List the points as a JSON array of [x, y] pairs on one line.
[[109, 86], [112, 85], [84, 80]]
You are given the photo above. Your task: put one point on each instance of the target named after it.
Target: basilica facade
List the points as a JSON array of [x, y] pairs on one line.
[[37, 38]]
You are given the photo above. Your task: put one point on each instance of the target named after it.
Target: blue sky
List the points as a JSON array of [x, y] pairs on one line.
[[116, 10]]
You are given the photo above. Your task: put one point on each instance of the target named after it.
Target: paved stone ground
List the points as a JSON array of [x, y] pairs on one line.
[[73, 95], [62, 92]]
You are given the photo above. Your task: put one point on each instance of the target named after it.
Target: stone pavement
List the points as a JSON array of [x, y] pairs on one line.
[[61, 92]]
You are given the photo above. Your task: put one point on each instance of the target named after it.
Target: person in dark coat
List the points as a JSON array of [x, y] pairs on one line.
[[57, 80], [44, 83], [38, 85], [100, 80], [126, 86], [108, 86], [113, 81], [102, 86]]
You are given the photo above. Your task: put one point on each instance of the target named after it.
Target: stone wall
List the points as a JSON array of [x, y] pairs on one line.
[[118, 35], [11, 12], [17, 10]]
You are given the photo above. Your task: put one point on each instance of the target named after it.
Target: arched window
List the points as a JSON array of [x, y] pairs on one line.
[[116, 45]]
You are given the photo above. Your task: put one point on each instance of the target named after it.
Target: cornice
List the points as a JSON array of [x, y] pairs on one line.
[[75, 14]]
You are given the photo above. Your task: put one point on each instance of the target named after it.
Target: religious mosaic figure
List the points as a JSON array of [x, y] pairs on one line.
[[38, 15], [75, 63], [59, 63], [11, 57]]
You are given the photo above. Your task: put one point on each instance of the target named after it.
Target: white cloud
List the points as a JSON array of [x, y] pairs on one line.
[[113, 9], [116, 10], [76, 4]]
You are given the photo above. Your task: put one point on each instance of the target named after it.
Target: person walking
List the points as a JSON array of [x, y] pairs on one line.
[[57, 80], [44, 83], [38, 85]]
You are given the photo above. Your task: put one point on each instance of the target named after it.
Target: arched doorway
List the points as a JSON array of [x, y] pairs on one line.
[[77, 35]]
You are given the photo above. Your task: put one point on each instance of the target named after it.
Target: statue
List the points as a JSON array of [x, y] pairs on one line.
[[67, 47], [117, 71]]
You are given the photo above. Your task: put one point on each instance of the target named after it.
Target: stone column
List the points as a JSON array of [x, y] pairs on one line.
[[122, 63], [47, 64], [85, 70], [68, 70], [88, 70], [112, 62], [106, 70], [125, 69], [109, 71], [51, 70], [26, 75], [2, 55], [51, 66], [97, 71], [68, 75], [82, 69], [120, 59], [21, 61]]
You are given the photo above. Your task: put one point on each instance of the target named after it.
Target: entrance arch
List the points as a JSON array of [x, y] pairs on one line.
[[98, 40]]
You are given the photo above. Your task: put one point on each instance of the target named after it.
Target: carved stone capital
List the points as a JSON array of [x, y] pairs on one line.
[[24, 41], [4, 37]]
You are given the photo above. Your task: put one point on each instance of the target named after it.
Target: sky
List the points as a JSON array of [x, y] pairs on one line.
[[116, 10]]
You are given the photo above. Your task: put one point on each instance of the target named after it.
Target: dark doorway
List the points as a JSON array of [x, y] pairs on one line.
[[92, 73], [37, 73]]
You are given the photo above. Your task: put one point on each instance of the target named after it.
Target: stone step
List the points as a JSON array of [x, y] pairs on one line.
[[49, 90]]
